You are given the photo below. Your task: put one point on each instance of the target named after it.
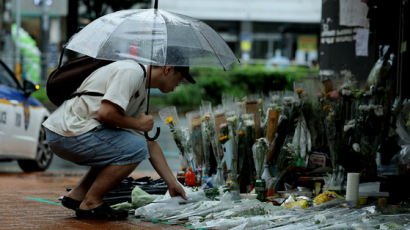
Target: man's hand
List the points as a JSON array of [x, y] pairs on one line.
[[159, 163], [112, 114], [145, 122], [176, 189]]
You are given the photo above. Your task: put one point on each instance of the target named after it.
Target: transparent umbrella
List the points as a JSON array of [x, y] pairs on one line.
[[155, 37], [146, 35]]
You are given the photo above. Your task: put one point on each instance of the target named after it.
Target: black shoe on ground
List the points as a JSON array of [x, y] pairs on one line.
[[70, 203], [102, 212]]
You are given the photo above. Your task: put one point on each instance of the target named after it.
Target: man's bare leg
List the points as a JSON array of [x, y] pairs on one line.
[[106, 179], [82, 187]]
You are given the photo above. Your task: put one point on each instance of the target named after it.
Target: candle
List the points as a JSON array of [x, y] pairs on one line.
[[352, 188]]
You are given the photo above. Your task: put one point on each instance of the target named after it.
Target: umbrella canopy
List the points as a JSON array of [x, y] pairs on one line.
[[147, 36], [154, 37]]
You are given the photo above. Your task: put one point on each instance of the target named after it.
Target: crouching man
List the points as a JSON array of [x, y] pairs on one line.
[[104, 132]]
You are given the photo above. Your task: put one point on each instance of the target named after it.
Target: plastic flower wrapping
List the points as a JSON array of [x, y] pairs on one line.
[[330, 213], [170, 117], [247, 131], [302, 139], [233, 132], [194, 124], [206, 142], [259, 152], [403, 130], [210, 133]]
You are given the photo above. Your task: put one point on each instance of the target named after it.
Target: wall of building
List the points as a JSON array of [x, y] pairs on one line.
[[257, 30], [302, 11], [57, 8]]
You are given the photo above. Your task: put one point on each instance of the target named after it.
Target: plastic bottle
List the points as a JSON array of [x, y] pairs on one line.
[[260, 188]]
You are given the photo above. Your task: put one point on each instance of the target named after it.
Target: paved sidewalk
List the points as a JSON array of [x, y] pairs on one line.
[[30, 201]]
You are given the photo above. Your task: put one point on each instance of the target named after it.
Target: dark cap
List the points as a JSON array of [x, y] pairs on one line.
[[176, 55], [184, 70]]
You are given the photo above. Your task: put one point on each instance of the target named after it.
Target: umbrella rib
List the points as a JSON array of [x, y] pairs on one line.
[[166, 40], [108, 38], [219, 59], [225, 42]]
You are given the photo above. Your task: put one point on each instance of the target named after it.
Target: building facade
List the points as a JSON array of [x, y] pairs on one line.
[[259, 30]]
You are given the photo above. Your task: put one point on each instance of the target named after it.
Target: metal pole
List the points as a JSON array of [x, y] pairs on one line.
[[17, 58], [2, 11], [7, 44], [45, 27]]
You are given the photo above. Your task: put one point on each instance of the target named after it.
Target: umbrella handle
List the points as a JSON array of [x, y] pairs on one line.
[[152, 138]]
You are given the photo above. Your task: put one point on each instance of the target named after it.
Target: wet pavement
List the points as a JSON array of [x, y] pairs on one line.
[[30, 201]]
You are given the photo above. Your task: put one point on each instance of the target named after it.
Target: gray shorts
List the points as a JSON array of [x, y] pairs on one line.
[[101, 146]]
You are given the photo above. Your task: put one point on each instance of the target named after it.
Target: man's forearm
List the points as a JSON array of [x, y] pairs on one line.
[[159, 163], [114, 115]]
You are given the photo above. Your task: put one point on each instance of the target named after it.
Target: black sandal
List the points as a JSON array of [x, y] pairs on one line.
[[70, 203], [103, 211]]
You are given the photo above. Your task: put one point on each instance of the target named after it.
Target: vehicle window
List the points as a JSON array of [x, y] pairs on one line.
[[6, 79]]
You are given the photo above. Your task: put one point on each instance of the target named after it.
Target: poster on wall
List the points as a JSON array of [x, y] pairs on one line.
[[353, 13], [344, 49]]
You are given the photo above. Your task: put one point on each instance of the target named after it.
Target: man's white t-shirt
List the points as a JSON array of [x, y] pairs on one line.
[[121, 82]]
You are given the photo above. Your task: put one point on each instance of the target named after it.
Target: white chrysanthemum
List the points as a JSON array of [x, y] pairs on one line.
[[350, 124], [378, 110], [364, 107], [356, 147], [346, 92]]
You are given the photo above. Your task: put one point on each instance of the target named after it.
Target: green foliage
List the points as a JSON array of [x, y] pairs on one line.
[[212, 83], [41, 95], [239, 82]]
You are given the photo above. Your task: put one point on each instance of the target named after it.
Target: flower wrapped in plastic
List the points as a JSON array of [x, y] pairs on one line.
[[194, 124], [206, 142], [245, 158], [210, 134], [288, 156], [170, 117], [233, 128], [248, 125], [259, 150], [228, 143], [302, 139]]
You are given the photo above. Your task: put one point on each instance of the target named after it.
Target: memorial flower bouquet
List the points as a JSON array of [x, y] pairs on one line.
[[247, 129], [233, 128], [210, 134], [206, 142], [170, 117], [195, 134], [259, 150]]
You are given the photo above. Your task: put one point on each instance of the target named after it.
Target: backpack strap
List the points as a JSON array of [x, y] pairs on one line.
[[60, 60], [97, 94], [143, 69], [79, 94]]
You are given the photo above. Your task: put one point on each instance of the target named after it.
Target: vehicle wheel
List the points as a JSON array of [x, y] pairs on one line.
[[43, 158]]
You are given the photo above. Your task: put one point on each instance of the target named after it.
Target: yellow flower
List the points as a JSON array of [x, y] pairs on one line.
[[223, 138], [326, 108], [205, 118], [240, 132], [169, 120]]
